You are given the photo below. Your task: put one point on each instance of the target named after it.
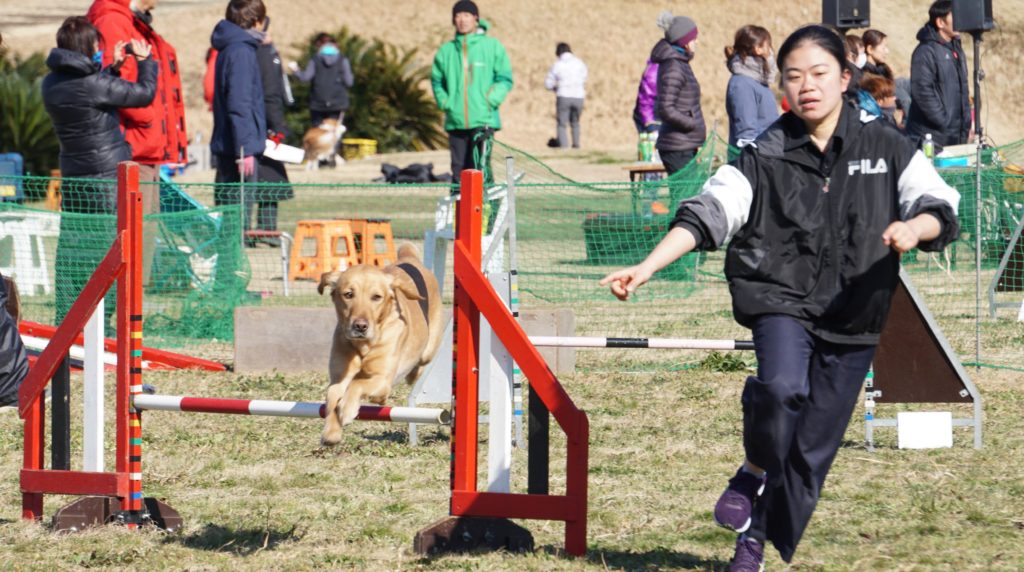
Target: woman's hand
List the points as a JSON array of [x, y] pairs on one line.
[[140, 49], [900, 236], [118, 54], [624, 282]]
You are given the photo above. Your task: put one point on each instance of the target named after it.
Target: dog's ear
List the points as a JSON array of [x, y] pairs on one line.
[[403, 284], [328, 280]]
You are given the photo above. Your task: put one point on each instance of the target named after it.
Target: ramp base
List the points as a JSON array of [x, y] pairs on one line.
[[97, 510], [465, 534]]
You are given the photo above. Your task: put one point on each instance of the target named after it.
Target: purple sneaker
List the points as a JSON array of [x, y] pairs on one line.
[[733, 508], [749, 556]]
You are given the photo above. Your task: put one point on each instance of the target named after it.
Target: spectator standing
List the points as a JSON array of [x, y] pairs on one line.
[[470, 104], [567, 78], [682, 129], [645, 115], [275, 98], [883, 90], [876, 47], [208, 76], [749, 100], [156, 132], [239, 118], [330, 75], [855, 52], [83, 100], [940, 102], [857, 57]]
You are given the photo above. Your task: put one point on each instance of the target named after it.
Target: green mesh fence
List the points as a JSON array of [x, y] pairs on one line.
[[195, 271], [570, 234]]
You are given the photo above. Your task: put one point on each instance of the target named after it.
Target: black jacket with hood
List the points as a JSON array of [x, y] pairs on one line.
[[275, 98], [940, 102], [331, 77], [678, 106], [806, 234], [82, 102]]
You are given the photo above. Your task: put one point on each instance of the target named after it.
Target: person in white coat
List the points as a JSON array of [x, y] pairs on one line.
[[567, 78]]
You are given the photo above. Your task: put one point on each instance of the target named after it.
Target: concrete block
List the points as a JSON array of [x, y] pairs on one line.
[[299, 339], [558, 322], [283, 339]]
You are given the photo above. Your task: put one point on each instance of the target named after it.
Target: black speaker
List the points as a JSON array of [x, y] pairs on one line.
[[845, 14], [972, 15]]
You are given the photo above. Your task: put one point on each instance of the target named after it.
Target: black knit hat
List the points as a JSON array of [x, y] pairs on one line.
[[465, 6]]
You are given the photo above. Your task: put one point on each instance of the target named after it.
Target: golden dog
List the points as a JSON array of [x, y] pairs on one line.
[[321, 142], [389, 328]]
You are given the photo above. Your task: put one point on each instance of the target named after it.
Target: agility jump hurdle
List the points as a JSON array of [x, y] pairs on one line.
[[640, 343], [476, 518], [266, 408]]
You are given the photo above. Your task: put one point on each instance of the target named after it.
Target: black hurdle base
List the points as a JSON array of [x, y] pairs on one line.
[[97, 510], [466, 534]]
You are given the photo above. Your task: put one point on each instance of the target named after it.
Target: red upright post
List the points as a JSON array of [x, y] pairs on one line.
[[35, 426], [129, 339], [465, 380], [476, 518]]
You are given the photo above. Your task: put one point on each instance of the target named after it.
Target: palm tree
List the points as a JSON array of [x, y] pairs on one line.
[[25, 126]]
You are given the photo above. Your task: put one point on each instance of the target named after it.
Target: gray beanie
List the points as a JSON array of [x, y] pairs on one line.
[[681, 31]]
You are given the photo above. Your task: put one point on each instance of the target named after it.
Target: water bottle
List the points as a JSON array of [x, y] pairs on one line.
[[644, 148], [928, 147]]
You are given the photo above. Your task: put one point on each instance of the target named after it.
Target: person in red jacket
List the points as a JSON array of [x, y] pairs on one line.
[[208, 77], [156, 132]]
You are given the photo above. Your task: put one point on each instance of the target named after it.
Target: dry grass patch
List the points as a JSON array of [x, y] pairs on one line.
[[259, 494]]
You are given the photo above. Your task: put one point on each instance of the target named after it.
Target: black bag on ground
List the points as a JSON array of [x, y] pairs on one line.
[[414, 173]]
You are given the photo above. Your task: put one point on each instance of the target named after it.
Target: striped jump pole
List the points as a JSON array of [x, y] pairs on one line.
[[641, 343], [286, 409]]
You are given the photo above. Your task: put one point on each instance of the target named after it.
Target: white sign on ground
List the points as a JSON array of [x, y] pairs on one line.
[[924, 429]]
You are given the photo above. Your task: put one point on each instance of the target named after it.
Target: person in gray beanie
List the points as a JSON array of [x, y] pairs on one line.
[[682, 123]]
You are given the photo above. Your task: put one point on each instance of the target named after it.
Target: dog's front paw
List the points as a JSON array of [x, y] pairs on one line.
[[330, 437]]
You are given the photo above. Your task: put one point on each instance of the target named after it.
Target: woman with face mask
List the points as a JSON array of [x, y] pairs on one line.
[[855, 53], [82, 99], [816, 214], [749, 100]]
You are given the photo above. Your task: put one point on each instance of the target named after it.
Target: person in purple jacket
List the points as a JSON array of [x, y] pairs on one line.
[[749, 101], [644, 113]]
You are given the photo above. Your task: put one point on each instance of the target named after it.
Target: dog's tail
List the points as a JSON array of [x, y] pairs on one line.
[[409, 250]]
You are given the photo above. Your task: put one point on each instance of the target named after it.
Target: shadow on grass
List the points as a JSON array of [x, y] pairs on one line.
[[241, 541], [654, 559], [388, 435]]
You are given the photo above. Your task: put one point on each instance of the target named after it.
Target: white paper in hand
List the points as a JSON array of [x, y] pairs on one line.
[[284, 153]]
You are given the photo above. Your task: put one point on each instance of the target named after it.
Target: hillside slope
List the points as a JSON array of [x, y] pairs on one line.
[[614, 37]]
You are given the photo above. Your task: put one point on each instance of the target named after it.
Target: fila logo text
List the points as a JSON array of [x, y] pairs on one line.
[[864, 166]]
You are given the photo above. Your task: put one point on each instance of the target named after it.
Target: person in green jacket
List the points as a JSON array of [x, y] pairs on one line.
[[471, 77]]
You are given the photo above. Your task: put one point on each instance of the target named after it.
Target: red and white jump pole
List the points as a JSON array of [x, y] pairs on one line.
[[285, 409], [641, 343]]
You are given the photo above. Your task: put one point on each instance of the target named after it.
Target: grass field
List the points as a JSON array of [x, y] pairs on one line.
[[259, 494]]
